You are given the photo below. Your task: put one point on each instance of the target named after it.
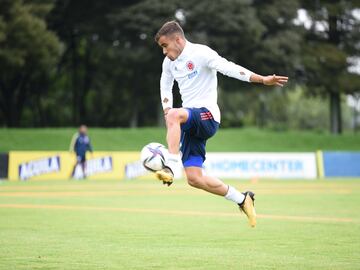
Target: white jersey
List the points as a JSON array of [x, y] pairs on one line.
[[195, 71]]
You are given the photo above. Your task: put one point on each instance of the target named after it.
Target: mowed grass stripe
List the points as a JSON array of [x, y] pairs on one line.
[[176, 212], [45, 185], [315, 230], [260, 187], [57, 194]]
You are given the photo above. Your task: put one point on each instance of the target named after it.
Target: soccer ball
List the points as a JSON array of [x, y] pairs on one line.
[[153, 156]]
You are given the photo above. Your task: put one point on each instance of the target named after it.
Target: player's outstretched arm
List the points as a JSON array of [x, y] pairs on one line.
[[269, 80]]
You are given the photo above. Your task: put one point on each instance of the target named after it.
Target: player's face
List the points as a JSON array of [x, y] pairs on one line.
[[171, 46], [83, 129]]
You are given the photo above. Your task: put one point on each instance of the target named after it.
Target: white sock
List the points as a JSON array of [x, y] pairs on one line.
[[234, 195], [173, 156], [172, 161]]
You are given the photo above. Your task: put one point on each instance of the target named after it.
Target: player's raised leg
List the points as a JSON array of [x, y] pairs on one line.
[[174, 119], [196, 178]]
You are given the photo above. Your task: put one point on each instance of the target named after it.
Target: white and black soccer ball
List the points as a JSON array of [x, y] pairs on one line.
[[153, 156]]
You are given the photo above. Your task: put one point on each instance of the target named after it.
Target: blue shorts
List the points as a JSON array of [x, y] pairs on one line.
[[81, 158], [199, 127]]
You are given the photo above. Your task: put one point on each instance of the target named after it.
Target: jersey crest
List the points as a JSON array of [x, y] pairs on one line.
[[190, 65]]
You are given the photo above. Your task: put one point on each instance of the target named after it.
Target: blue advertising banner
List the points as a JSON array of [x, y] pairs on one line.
[[341, 164]]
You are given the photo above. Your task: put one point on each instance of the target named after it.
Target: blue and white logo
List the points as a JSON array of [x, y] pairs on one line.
[[265, 165], [192, 74], [38, 167], [99, 165], [135, 169]]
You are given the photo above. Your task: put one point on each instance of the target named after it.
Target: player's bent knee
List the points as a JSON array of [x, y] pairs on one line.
[[176, 116], [194, 181], [172, 116]]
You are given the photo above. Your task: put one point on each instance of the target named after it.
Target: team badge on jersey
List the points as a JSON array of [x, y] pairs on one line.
[[190, 65]]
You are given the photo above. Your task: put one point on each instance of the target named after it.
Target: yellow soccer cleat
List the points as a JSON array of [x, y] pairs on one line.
[[165, 175], [247, 206]]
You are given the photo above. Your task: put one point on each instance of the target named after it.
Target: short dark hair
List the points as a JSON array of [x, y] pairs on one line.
[[168, 29]]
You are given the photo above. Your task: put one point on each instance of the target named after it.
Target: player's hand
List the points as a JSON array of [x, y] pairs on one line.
[[275, 80]]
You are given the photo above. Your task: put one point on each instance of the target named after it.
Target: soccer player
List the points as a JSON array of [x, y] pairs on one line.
[[195, 67], [80, 144]]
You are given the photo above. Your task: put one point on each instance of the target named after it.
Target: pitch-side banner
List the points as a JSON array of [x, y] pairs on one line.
[[341, 164], [61, 165], [52, 165], [264, 165]]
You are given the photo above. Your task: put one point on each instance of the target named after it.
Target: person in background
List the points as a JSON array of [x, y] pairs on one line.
[[80, 144]]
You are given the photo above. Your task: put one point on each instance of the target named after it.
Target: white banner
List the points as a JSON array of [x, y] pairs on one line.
[[263, 165]]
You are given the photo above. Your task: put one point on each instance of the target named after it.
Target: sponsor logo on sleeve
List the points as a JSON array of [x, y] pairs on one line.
[[192, 74]]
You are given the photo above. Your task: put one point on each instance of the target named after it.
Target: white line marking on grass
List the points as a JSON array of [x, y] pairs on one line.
[[177, 213]]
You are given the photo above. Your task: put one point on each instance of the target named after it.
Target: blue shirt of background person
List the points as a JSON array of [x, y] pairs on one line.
[[80, 143]]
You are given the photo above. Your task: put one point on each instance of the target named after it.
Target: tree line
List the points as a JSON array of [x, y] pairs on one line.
[[66, 62]]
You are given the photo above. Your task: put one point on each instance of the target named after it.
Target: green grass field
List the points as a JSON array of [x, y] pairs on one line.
[[145, 225], [126, 139]]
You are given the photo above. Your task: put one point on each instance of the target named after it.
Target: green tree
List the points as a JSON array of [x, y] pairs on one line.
[[254, 34], [110, 61], [28, 52], [330, 42]]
